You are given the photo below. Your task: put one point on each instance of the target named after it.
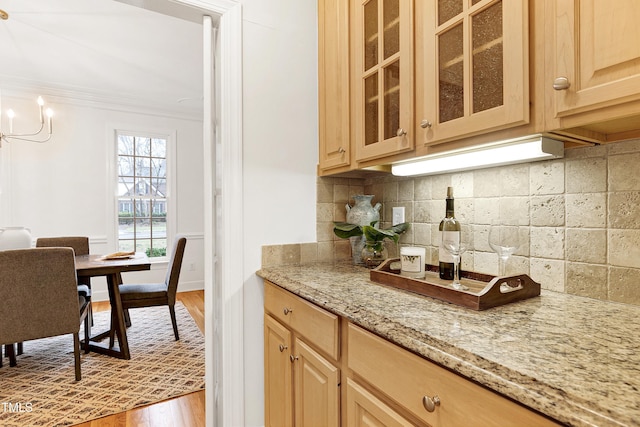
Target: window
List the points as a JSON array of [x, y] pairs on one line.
[[142, 193]]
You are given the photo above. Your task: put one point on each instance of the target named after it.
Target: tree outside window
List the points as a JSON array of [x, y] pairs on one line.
[[142, 194]]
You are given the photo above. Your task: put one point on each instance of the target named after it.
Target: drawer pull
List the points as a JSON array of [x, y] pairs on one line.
[[282, 348], [561, 83], [430, 403], [287, 310]]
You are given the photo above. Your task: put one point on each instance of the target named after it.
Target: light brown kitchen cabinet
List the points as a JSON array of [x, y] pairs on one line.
[[472, 68], [381, 77], [302, 377], [432, 394], [333, 85], [595, 74]]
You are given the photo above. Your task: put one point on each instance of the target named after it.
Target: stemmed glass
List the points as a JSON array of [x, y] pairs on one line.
[[455, 239], [504, 240]]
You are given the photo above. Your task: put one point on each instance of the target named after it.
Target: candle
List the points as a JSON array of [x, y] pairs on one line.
[[11, 114], [412, 260], [49, 119]]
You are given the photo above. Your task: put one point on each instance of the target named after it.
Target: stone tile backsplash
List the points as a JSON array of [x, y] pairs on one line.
[[581, 216]]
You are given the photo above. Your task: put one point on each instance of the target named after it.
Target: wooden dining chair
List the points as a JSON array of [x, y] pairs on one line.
[[39, 298], [158, 294]]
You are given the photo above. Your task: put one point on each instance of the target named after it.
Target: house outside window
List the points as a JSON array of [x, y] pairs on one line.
[[142, 195]]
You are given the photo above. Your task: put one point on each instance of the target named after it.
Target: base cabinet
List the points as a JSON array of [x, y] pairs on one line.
[[302, 379], [312, 380]]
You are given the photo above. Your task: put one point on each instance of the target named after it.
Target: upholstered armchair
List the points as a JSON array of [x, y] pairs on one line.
[[39, 297]]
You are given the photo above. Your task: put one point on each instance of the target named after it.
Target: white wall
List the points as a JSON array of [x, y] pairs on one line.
[[62, 187], [280, 126]]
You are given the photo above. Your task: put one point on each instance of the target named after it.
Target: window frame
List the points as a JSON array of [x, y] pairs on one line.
[[113, 176]]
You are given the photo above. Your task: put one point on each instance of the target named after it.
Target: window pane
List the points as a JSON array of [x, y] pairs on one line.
[[143, 146], [159, 167], [125, 186], [159, 147], [158, 187], [125, 165], [125, 145]]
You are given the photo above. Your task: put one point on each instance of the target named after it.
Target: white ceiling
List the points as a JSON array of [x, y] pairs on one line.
[[103, 49]]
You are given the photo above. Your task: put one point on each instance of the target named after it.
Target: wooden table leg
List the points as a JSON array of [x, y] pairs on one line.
[[117, 324]]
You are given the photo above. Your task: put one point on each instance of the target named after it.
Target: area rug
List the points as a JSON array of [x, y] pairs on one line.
[[42, 391]]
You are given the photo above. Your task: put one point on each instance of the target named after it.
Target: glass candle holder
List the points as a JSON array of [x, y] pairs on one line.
[[412, 261]]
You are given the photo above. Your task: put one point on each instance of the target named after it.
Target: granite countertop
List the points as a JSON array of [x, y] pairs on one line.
[[575, 359]]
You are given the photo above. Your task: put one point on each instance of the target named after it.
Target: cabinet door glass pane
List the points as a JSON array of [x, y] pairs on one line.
[[450, 74], [391, 100], [487, 60], [447, 9], [391, 27], [370, 34], [371, 109]]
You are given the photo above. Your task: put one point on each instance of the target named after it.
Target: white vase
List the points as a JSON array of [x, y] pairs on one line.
[[15, 238]]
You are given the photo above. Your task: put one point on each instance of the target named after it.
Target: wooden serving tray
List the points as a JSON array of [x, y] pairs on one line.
[[484, 291]]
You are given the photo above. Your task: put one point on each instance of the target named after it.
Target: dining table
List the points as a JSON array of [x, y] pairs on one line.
[[94, 265]]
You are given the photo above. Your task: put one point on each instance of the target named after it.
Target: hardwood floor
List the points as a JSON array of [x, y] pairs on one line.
[[183, 411]]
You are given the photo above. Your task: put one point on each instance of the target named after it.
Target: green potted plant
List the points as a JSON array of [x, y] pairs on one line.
[[374, 251]]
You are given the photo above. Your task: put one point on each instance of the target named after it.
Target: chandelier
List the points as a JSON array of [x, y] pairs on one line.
[[31, 137], [38, 136]]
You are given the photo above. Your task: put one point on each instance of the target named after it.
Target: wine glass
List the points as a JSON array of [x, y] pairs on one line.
[[504, 239], [455, 240]]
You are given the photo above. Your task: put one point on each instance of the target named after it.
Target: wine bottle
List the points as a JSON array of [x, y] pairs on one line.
[[445, 259]]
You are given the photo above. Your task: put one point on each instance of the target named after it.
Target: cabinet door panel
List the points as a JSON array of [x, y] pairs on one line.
[[365, 410], [473, 60], [317, 392], [382, 77], [277, 376], [597, 50], [333, 83]]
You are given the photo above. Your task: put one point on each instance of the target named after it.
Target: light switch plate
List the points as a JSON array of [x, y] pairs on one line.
[[398, 215]]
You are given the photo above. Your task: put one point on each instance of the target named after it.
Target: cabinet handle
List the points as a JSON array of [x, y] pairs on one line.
[[293, 358], [401, 132], [425, 124], [430, 403], [287, 310], [282, 348], [561, 83], [341, 150]]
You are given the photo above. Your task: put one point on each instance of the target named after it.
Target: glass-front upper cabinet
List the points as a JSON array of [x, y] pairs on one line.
[[471, 67], [382, 66]]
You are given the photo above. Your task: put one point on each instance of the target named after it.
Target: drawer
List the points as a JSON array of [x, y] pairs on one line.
[[318, 326], [408, 380]]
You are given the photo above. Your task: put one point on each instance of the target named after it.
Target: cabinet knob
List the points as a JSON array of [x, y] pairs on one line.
[[430, 403], [425, 124], [561, 83], [287, 310], [401, 132], [293, 358], [282, 348]]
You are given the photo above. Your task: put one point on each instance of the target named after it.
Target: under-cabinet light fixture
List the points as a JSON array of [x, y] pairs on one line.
[[520, 150]]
